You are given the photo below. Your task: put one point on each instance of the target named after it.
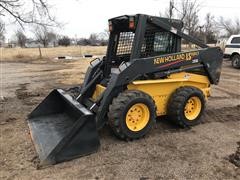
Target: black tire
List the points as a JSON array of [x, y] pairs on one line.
[[236, 61], [118, 111], [178, 102]]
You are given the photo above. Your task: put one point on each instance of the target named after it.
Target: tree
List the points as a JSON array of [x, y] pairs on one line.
[[21, 38], [17, 10], [209, 29], [2, 32], [44, 35], [230, 27], [105, 34], [93, 38], [103, 37], [52, 37], [64, 41], [187, 11], [83, 42]]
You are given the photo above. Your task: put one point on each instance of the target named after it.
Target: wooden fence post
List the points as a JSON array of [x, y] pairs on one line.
[[40, 52]]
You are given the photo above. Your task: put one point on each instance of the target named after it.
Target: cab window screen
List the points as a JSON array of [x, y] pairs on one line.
[[156, 43]]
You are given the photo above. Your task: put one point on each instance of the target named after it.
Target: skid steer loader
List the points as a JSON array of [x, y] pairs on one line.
[[143, 75]]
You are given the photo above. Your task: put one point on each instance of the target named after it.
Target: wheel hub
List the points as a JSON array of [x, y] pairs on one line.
[[137, 117], [192, 108]]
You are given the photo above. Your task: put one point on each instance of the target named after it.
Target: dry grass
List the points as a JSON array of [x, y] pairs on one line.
[[23, 54], [31, 54]]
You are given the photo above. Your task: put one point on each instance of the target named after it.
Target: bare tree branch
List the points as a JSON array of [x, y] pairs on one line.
[[209, 29], [38, 13], [187, 11], [21, 38], [44, 35], [2, 31], [230, 27]]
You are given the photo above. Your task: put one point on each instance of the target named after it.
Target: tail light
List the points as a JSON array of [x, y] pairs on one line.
[[110, 26], [131, 23]]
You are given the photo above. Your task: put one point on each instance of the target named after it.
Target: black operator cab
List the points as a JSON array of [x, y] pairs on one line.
[[136, 37]]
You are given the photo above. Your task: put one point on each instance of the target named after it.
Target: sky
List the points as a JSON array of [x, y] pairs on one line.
[[83, 17]]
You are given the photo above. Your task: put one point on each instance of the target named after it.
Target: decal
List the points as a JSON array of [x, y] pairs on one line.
[[188, 56], [195, 61]]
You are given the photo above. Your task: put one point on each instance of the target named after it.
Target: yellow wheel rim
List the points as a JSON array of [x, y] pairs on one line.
[[193, 108], [137, 117]]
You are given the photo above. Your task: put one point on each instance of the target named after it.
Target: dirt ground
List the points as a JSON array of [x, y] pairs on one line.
[[168, 152]]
